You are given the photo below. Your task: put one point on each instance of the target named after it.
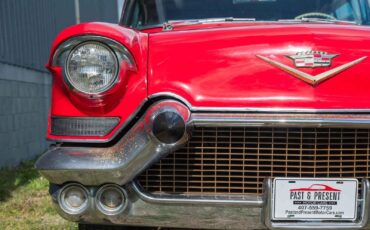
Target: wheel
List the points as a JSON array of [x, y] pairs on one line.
[[107, 227]]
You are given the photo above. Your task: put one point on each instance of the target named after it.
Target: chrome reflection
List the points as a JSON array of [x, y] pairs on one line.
[[118, 164]]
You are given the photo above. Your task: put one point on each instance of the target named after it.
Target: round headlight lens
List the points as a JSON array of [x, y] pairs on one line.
[[92, 68]]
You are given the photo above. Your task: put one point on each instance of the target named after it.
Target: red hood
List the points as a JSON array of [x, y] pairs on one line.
[[219, 68]]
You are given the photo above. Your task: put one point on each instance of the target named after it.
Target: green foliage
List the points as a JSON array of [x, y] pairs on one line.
[[25, 202]]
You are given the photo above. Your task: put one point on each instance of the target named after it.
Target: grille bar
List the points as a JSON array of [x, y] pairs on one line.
[[236, 160]]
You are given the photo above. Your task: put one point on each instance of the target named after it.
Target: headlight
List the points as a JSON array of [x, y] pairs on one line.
[[92, 68]]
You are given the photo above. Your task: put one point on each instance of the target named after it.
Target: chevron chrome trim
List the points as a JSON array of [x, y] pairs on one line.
[[308, 78]]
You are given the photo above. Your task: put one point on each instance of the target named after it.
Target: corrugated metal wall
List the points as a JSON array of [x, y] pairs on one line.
[[27, 30], [103, 10], [28, 27]]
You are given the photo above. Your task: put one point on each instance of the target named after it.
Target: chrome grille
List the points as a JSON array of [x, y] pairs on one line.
[[235, 161]]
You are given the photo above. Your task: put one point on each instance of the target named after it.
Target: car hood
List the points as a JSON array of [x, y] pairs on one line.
[[231, 67]]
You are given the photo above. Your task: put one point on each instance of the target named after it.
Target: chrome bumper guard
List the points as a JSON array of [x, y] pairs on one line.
[[118, 164]]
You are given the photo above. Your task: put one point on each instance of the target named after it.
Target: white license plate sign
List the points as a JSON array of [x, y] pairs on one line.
[[314, 199]]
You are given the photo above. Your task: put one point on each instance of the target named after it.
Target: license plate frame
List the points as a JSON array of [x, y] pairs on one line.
[[340, 195]]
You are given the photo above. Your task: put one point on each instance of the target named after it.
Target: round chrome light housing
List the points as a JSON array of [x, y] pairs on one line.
[[169, 127], [111, 200], [73, 199], [91, 68]]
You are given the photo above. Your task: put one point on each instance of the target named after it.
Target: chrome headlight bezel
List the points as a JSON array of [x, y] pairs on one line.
[[63, 53]]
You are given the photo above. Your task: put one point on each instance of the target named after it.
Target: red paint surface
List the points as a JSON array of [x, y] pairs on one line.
[[219, 67]]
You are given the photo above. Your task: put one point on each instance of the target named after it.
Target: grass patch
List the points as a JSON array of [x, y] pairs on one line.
[[25, 201]]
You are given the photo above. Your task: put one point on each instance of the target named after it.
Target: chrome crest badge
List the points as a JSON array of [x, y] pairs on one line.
[[312, 59]]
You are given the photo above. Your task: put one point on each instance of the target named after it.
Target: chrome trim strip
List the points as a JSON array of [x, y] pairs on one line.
[[118, 164], [62, 52], [250, 201], [361, 222], [170, 95], [277, 110], [280, 120], [255, 109]]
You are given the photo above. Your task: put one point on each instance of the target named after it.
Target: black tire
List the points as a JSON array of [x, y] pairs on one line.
[[107, 227]]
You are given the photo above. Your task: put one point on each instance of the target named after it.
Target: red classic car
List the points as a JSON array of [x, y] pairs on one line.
[[185, 113]]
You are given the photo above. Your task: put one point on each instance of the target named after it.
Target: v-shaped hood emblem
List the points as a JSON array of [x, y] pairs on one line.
[[308, 78]]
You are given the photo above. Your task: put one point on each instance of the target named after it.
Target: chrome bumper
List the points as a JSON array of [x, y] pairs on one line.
[[144, 210], [118, 164], [205, 213]]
